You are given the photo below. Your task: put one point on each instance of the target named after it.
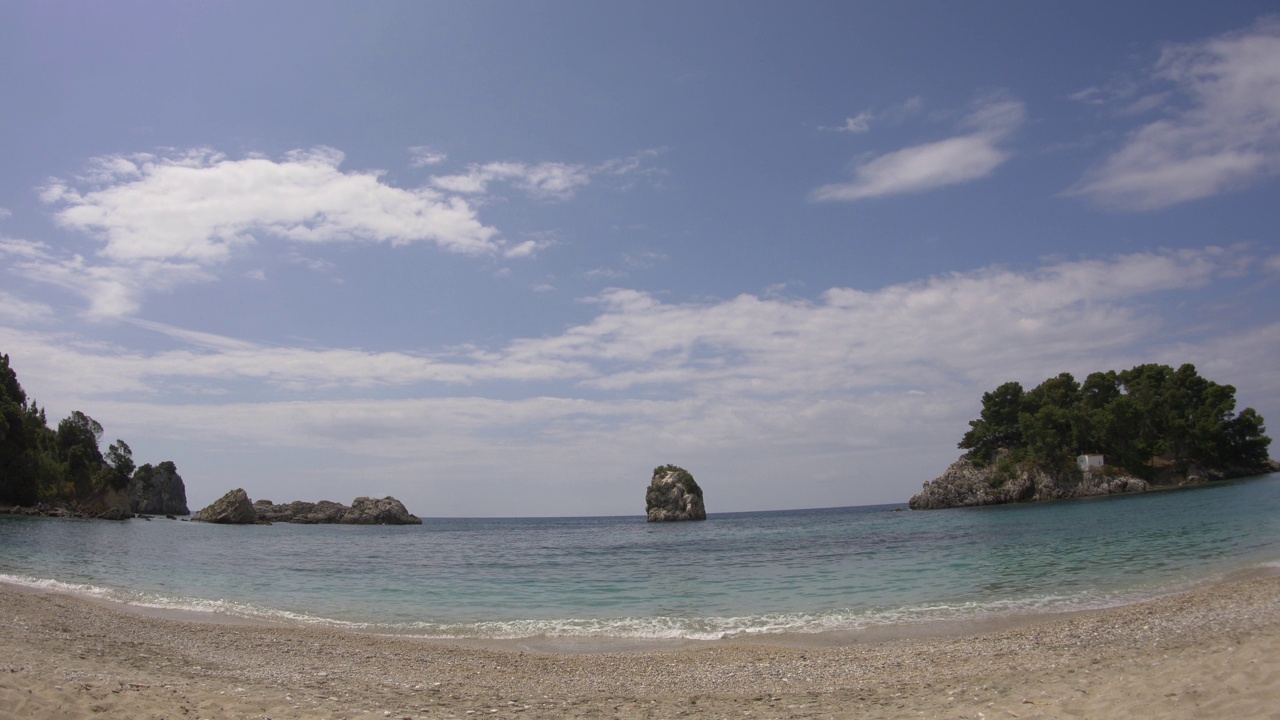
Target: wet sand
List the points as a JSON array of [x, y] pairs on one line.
[[1211, 652]]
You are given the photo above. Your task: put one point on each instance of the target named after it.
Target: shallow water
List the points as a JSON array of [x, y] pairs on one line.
[[737, 574]]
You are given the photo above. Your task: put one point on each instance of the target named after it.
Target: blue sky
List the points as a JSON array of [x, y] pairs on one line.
[[505, 258]]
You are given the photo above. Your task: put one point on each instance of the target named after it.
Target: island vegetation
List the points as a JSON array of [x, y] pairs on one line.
[[64, 468], [1133, 417], [1153, 425]]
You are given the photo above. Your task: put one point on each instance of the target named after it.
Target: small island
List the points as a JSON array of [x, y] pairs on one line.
[[1120, 432], [673, 494], [235, 508]]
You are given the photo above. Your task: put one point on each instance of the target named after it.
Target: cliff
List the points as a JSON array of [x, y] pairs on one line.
[[158, 490], [673, 495]]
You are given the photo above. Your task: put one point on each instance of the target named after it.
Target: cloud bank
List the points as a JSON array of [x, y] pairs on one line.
[[1220, 130], [744, 386]]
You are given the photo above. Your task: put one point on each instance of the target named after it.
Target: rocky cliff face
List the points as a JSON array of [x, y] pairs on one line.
[[158, 490], [363, 511], [964, 485], [673, 495], [233, 508]]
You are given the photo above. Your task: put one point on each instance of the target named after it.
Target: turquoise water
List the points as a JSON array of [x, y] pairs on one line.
[[736, 574]]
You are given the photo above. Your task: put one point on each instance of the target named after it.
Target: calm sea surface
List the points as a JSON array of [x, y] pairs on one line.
[[619, 577]]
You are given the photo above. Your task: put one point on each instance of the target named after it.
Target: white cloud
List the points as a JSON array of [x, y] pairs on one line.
[[959, 159], [528, 248], [546, 181], [1225, 136], [857, 124], [14, 309], [1090, 95], [163, 220], [861, 123], [549, 181], [111, 289], [198, 206], [425, 156]]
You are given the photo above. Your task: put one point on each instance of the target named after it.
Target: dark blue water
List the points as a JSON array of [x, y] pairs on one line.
[[792, 571]]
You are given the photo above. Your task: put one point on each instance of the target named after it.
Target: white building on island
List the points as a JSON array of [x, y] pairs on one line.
[[1089, 462]]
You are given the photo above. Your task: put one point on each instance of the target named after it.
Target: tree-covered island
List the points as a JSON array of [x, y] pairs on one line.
[[63, 471], [1152, 425]]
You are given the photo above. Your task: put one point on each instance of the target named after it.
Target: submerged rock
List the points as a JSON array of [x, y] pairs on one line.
[[673, 495], [233, 508]]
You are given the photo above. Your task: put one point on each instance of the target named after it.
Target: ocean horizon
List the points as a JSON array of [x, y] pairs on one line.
[[844, 570]]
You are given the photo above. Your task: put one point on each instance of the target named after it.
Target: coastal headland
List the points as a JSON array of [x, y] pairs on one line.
[[1211, 652]]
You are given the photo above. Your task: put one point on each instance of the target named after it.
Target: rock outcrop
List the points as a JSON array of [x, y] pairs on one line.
[[965, 485], [233, 508], [363, 511], [158, 490], [673, 495], [299, 512], [378, 511]]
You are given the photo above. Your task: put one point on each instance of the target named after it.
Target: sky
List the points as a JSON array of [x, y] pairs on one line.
[[503, 259]]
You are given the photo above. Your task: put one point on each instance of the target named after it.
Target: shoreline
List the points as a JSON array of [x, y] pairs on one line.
[[1211, 651], [979, 622]]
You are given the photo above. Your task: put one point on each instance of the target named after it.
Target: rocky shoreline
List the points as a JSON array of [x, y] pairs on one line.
[[152, 491], [75, 511], [965, 484]]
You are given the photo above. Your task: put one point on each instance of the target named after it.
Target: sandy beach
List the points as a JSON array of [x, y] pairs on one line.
[[1213, 652]]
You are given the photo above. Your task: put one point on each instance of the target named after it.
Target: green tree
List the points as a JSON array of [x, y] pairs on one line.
[[17, 482], [77, 443], [120, 464], [1244, 441], [997, 426], [1047, 420]]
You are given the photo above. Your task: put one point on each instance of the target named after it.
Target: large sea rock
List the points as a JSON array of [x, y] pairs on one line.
[[362, 511], [966, 485], [233, 508], [378, 511], [158, 490], [673, 495]]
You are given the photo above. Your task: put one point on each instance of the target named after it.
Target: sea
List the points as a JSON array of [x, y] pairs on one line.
[[793, 573]]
